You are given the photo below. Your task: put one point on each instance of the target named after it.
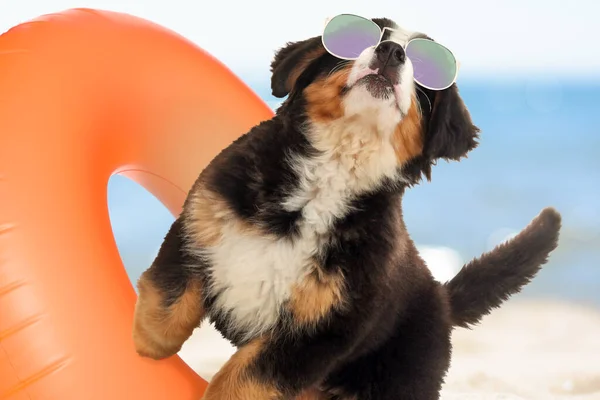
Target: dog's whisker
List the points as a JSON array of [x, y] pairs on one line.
[[339, 66]]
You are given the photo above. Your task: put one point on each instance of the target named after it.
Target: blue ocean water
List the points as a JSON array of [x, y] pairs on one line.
[[540, 146]]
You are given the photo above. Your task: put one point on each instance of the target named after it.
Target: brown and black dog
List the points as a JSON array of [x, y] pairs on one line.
[[292, 240]]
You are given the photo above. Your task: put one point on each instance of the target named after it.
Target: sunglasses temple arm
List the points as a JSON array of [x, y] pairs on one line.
[[383, 31]]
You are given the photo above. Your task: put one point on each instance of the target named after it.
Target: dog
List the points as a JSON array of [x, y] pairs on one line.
[[292, 240]]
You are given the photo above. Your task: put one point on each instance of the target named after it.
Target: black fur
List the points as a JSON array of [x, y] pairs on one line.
[[254, 175], [287, 59], [451, 134], [486, 282], [173, 279]]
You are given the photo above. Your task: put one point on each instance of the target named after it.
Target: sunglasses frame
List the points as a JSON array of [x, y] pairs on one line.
[[382, 31]]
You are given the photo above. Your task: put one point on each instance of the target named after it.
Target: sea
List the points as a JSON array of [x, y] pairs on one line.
[[539, 147]]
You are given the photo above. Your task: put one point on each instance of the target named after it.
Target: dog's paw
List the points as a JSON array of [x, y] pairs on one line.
[[148, 346]]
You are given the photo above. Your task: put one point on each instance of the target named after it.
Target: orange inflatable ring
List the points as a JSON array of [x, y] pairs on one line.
[[85, 94]]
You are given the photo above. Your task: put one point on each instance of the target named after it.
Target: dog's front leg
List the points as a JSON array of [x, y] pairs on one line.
[[169, 305]]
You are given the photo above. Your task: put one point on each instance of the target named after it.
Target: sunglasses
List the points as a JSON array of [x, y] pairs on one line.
[[346, 36]]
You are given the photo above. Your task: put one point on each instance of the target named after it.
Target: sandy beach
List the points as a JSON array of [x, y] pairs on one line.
[[527, 350]]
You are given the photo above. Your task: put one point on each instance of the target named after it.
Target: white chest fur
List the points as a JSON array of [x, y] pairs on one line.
[[256, 274]]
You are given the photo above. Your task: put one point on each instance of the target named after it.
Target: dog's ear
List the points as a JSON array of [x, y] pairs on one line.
[[291, 61], [451, 133]]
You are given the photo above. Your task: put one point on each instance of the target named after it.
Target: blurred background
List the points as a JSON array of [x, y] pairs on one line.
[[530, 76]]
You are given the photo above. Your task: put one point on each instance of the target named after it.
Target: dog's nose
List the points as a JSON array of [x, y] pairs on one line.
[[390, 54]]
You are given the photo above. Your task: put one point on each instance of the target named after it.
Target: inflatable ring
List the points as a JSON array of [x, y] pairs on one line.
[[85, 94]]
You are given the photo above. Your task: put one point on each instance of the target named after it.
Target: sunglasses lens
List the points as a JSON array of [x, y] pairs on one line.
[[346, 36], [434, 65]]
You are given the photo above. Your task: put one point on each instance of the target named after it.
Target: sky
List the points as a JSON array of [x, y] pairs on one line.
[[503, 37]]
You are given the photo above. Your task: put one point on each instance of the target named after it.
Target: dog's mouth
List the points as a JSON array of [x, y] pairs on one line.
[[378, 85]]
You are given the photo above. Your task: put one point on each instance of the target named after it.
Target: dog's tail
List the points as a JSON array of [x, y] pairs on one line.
[[487, 281]]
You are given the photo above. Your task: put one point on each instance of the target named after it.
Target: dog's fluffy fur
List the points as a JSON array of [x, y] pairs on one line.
[[292, 240]]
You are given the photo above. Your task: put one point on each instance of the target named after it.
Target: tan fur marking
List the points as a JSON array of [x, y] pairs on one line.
[[316, 296], [159, 332], [408, 137], [309, 57], [234, 382], [209, 214], [323, 96]]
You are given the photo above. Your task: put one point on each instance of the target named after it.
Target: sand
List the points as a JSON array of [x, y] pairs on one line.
[[527, 350]]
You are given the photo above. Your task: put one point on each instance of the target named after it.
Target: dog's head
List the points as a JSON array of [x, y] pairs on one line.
[[377, 92]]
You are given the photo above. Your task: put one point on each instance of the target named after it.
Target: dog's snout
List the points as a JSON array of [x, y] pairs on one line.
[[390, 54]]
